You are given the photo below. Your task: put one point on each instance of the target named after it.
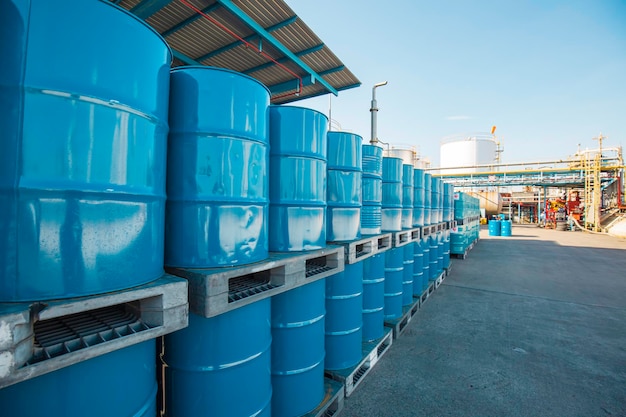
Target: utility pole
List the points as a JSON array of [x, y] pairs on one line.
[[374, 110]]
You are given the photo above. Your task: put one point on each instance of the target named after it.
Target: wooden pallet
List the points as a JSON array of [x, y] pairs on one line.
[[399, 325]]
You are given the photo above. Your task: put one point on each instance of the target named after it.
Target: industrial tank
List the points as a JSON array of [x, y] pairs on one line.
[[467, 151], [407, 154]]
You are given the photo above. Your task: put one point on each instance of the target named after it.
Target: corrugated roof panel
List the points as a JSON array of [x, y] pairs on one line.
[[197, 37]]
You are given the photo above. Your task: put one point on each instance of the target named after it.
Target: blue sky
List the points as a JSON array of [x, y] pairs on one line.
[[550, 74]]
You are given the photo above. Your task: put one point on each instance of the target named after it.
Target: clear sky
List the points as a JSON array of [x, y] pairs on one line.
[[550, 74]]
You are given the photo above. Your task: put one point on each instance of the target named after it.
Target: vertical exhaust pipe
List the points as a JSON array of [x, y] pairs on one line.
[[374, 112]]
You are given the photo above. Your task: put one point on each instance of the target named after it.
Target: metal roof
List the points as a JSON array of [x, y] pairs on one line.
[[264, 39]]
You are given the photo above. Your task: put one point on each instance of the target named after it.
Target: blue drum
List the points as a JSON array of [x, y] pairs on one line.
[[407, 274], [418, 269], [373, 297], [83, 110], [298, 149], [495, 227], [394, 274], [217, 172]]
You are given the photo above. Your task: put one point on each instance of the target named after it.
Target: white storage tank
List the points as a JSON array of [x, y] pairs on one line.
[[467, 151]]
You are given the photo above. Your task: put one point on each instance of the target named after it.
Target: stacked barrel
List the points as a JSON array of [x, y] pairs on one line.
[[82, 198], [467, 218], [420, 281], [372, 190]]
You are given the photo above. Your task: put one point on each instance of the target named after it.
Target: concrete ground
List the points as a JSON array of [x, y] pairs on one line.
[[528, 325]]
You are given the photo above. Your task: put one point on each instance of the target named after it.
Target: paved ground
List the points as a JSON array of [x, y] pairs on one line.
[[531, 325]]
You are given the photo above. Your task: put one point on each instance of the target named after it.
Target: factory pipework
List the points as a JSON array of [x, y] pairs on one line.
[[374, 112]]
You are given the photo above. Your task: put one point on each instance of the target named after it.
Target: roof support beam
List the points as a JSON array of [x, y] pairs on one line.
[[187, 60], [190, 20], [331, 70], [231, 7], [146, 8], [247, 38], [283, 59], [293, 84]]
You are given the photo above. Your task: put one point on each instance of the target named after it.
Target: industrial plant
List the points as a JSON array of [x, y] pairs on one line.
[[181, 237]]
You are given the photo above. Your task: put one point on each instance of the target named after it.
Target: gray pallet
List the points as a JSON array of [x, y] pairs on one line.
[[360, 249], [399, 325], [372, 352], [402, 238], [148, 311], [213, 291], [439, 279], [447, 270], [332, 404], [416, 234]]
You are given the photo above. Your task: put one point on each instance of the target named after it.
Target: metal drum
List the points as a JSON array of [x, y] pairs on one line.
[[418, 269], [83, 149], [394, 274], [418, 197], [298, 148], [407, 277], [428, 199], [440, 252], [221, 365], [426, 253], [408, 194], [217, 169], [371, 210], [433, 261], [392, 195], [344, 176], [344, 317], [120, 383], [446, 249], [505, 228], [373, 297], [434, 200], [495, 227], [298, 350]]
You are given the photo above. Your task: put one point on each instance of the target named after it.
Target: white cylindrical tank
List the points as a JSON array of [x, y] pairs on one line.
[[408, 154], [466, 152]]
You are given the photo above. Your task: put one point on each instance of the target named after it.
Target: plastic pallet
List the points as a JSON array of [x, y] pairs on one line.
[[372, 352], [37, 338], [401, 238], [416, 234], [439, 279], [399, 325], [332, 404], [213, 291], [360, 249]]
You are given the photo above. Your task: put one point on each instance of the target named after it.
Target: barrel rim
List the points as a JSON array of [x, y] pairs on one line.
[[282, 106], [343, 132], [146, 25], [208, 67]]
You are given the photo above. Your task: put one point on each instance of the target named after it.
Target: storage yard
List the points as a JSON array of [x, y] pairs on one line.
[[181, 238]]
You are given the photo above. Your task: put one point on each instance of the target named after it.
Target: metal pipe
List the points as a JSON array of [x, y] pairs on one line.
[[374, 112]]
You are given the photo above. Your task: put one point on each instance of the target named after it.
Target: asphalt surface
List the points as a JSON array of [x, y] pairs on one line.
[[528, 325]]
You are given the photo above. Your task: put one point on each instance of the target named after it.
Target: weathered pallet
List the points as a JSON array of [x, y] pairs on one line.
[[37, 338], [372, 352], [399, 325], [332, 404], [401, 238], [214, 291], [439, 279], [360, 249]]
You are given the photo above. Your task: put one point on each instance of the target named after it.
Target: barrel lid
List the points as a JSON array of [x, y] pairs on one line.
[[207, 67], [282, 106], [147, 26]]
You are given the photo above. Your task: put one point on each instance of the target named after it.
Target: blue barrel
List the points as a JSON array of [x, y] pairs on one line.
[[434, 200], [418, 269], [372, 160], [83, 149], [344, 176], [344, 317], [372, 190], [394, 274], [440, 252], [495, 227], [392, 195], [433, 261], [217, 185], [407, 277], [408, 193], [446, 249], [373, 297], [426, 262], [216, 360], [505, 227], [428, 220], [298, 149], [298, 350], [418, 197], [120, 383]]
